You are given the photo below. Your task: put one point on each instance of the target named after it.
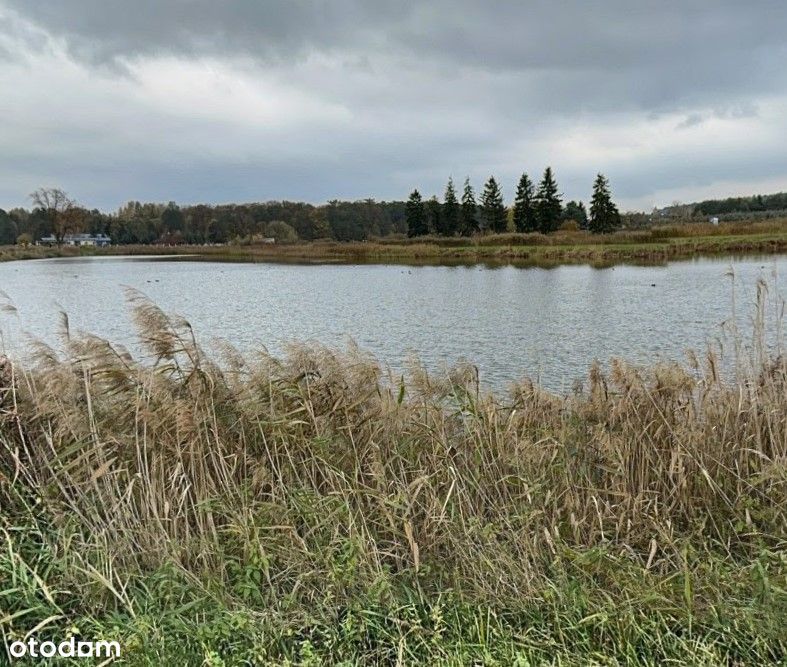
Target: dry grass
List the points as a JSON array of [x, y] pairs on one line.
[[655, 245], [10, 253], [308, 483], [658, 244]]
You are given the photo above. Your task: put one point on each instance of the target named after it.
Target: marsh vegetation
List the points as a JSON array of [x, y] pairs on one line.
[[311, 508], [569, 246]]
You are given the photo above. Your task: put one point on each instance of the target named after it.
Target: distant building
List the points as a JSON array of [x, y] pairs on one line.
[[80, 240], [714, 220]]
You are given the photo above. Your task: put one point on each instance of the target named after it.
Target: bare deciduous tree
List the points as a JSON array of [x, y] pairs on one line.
[[58, 206]]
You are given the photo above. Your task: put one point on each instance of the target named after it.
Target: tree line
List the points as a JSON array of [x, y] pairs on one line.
[[55, 213], [754, 204], [534, 209]]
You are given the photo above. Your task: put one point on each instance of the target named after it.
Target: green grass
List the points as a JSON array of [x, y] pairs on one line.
[[733, 616], [310, 509]]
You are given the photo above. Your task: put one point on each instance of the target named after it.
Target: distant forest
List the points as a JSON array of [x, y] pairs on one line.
[[533, 209], [54, 214], [754, 204], [146, 223]]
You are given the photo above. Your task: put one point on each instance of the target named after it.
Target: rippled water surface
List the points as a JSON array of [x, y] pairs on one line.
[[511, 322]]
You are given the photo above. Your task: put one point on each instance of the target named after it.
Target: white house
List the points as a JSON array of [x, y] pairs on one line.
[[81, 240]]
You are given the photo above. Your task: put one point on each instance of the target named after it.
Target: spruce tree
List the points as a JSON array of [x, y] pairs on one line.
[[583, 217], [415, 215], [547, 204], [524, 213], [468, 222], [434, 216], [604, 215], [450, 219], [493, 212]]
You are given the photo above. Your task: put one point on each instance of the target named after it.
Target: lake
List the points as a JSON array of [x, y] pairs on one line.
[[512, 322]]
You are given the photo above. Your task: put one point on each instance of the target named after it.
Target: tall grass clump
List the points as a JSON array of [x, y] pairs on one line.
[[315, 508]]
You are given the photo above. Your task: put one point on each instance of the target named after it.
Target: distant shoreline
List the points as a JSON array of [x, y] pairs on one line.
[[652, 246]]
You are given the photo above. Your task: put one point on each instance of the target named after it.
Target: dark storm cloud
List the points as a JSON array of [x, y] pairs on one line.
[[373, 97], [650, 52]]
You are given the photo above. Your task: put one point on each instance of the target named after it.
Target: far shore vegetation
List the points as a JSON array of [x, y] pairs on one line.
[[466, 223], [656, 244], [317, 508]]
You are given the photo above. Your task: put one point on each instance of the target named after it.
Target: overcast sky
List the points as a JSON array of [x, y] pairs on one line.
[[205, 101]]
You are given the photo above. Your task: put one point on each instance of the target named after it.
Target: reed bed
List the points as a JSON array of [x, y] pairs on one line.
[[10, 253], [658, 244], [318, 509], [488, 250], [654, 234]]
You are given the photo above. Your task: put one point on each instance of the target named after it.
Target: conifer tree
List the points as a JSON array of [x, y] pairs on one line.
[[576, 212], [8, 229], [450, 218], [468, 221], [604, 215], [434, 216], [493, 211], [524, 213], [547, 204], [415, 215], [583, 217]]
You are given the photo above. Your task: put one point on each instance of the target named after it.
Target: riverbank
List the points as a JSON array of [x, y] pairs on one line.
[[308, 510], [657, 245]]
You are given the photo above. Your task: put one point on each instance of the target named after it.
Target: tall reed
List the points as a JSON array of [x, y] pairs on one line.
[[319, 478]]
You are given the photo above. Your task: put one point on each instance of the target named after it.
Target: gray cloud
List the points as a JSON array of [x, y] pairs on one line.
[[649, 50], [350, 98], [102, 31]]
